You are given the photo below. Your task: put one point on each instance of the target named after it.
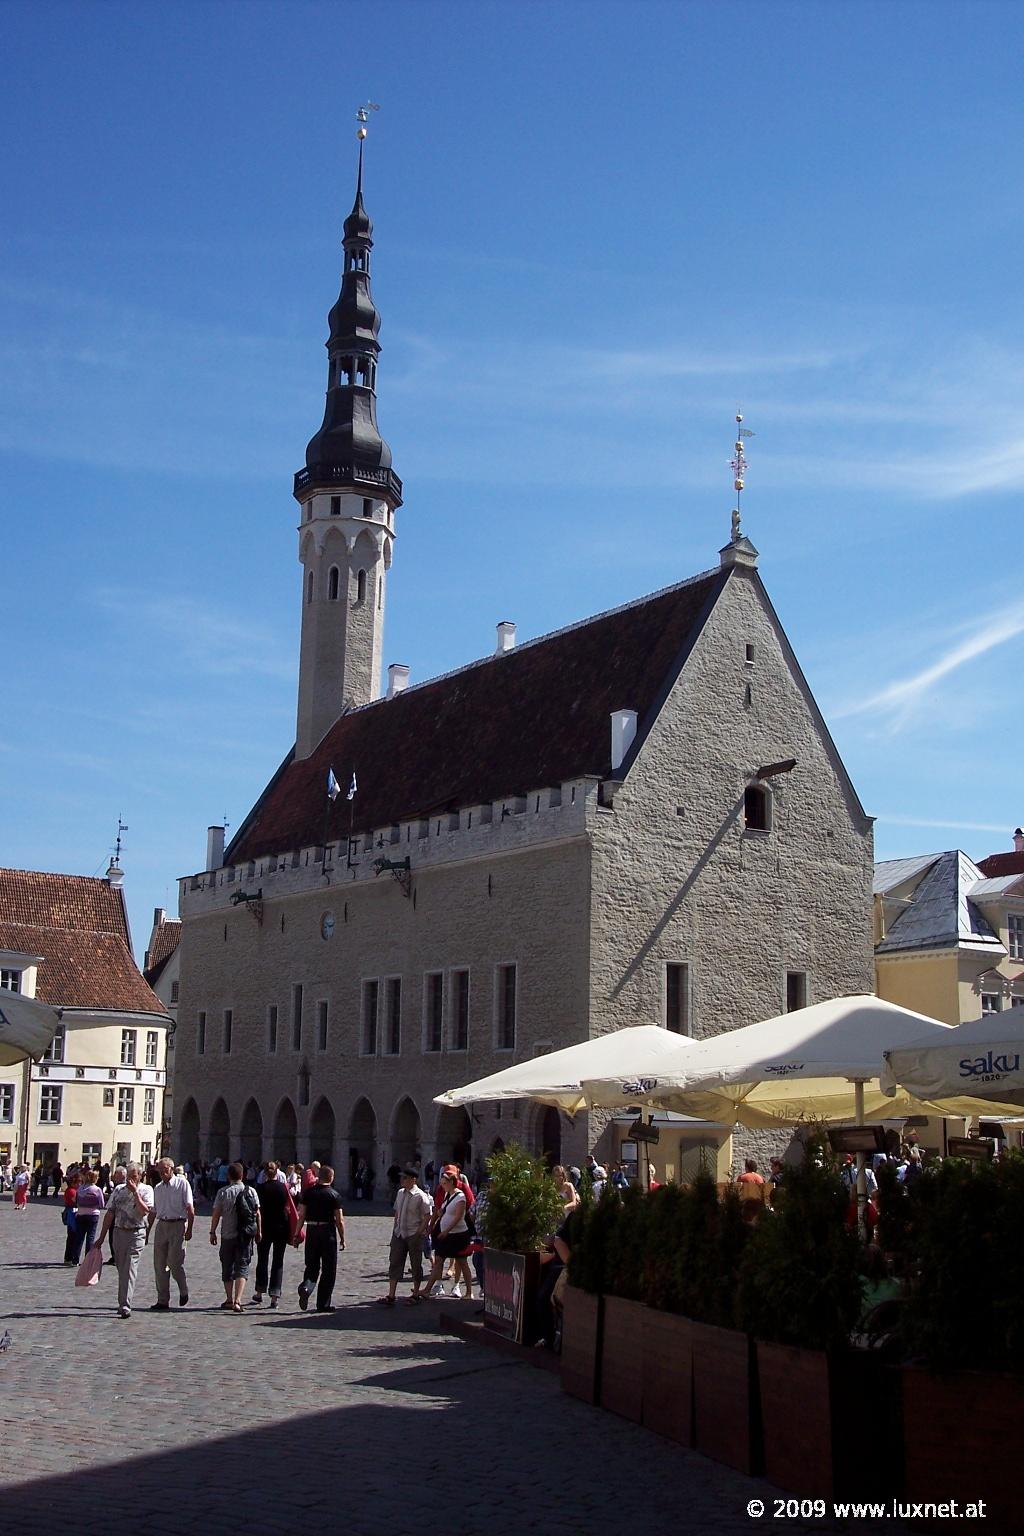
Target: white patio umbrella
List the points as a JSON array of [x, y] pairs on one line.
[[820, 1063], [26, 1027], [555, 1078], [980, 1063]]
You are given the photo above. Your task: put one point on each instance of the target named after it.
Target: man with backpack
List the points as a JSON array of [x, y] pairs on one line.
[[236, 1211]]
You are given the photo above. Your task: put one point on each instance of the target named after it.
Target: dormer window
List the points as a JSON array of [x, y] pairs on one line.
[[757, 809]]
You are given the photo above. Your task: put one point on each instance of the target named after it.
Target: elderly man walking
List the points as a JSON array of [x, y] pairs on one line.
[[174, 1213], [126, 1218], [413, 1212]]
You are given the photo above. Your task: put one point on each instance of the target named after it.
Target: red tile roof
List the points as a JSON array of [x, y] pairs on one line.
[[79, 926], [532, 717], [1002, 864], [164, 940]]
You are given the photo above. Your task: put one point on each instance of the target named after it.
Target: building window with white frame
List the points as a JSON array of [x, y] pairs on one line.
[[459, 1033], [10, 980], [129, 1037], [1015, 935], [393, 1016], [146, 1153], [6, 1103], [505, 1000], [152, 1047], [371, 997], [990, 1003], [125, 1106], [148, 1106], [433, 1011], [677, 998], [50, 1101], [55, 1050]]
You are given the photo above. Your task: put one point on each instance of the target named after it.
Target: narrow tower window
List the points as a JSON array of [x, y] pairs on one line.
[[367, 506], [335, 506], [332, 584], [361, 587], [309, 587]]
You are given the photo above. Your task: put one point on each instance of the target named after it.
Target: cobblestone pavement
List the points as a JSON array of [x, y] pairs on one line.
[[363, 1421]]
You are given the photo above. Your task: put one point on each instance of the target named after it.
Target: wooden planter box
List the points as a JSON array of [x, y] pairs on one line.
[[622, 1357], [796, 1414], [581, 1343], [726, 1405], [668, 1376], [960, 1438]]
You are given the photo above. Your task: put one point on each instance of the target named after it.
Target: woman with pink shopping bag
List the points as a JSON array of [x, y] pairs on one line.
[[88, 1272]]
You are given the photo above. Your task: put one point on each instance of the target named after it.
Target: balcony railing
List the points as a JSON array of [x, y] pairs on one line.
[[348, 474]]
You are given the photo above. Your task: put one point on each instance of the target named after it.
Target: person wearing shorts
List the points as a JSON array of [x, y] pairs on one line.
[[235, 1249]]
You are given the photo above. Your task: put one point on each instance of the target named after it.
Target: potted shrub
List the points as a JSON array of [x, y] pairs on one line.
[[800, 1297], [583, 1308], [668, 1336], [622, 1334], [523, 1208]]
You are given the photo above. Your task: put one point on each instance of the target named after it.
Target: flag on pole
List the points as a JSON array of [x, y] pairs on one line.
[[333, 787], [353, 786]]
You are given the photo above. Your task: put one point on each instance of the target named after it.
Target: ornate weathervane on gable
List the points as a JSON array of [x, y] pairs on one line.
[[738, 465]]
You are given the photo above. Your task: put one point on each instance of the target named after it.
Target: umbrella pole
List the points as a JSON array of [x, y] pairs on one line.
[[862, 1178]]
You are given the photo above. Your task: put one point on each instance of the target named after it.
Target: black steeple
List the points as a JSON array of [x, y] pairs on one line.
[[348, 449]]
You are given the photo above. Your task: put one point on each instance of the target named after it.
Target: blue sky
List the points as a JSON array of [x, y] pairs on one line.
[[599, 227]]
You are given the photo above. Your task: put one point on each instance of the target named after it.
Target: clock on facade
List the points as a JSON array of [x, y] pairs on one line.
[[327, 925]]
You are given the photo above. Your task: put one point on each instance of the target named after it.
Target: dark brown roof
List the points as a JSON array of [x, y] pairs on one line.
[[1002, 864], [79, 926], [164, 940], [531, 717]]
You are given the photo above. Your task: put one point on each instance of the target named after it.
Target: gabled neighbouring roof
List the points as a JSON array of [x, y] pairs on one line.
[[165, 938], [941, 914], [890, 874], [533, 717], [79, 927], [1002, 864]]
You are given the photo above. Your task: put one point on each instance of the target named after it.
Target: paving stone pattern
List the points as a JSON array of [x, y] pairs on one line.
[[366, 1421]]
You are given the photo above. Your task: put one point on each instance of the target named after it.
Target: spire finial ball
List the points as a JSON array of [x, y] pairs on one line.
[[360, 133], [739, 416]]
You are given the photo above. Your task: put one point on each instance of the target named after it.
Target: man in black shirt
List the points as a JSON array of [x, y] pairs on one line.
[[322, 1215]]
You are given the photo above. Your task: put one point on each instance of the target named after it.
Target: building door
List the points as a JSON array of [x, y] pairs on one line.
[[45, 1153]]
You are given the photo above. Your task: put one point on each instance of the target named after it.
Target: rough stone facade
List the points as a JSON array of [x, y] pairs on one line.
[[589, 889]]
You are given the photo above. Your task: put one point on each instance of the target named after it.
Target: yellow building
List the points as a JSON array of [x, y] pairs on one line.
[[98, 1090], [949, 940]]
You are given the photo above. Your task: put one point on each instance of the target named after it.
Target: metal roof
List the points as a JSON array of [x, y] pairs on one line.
[[940, 914], [892, 873]]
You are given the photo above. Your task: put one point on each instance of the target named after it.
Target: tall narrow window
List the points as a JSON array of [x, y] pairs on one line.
[[128, 1039], [332, 584], [1015, 936], [361, 587], [229, 1020], [148, 1106], [756, 809], [152, 1047], [309, 587], [55, 1050], [297, 1017], [272, 1028], [50, 1098], [6, 1103], [505, 1032], [677, 998], [796, 990], [371, 992], [125, 1106], [433, 1011], [201, 1035], [336, 500], [394, 1015], [459, 1039], [367, 506], [321, 1026]]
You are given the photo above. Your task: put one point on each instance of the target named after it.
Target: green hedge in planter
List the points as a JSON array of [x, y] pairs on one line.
[[957, 1236], [523, 1202], [799, 1281]]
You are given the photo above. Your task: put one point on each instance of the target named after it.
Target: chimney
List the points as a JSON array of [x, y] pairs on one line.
[[115, 874], [506, 637], [214, 847], [398, 678], [159, 916], [1018, 840], [623, 732]]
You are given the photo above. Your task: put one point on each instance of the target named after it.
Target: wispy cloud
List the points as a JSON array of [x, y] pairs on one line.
[[203, 640], [897, 700], [950, 825]]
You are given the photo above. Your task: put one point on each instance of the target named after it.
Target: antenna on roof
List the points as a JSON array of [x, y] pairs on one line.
[[738, 465], [121, 828]]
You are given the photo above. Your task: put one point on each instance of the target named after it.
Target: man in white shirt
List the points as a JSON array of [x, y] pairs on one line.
[[174, 1213], [127, 1217], [413, 1211]]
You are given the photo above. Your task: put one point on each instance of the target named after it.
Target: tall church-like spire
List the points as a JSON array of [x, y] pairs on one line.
[[348, 493]]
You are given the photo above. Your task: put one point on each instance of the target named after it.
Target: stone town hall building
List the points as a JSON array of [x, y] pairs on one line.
[[638, 818]]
